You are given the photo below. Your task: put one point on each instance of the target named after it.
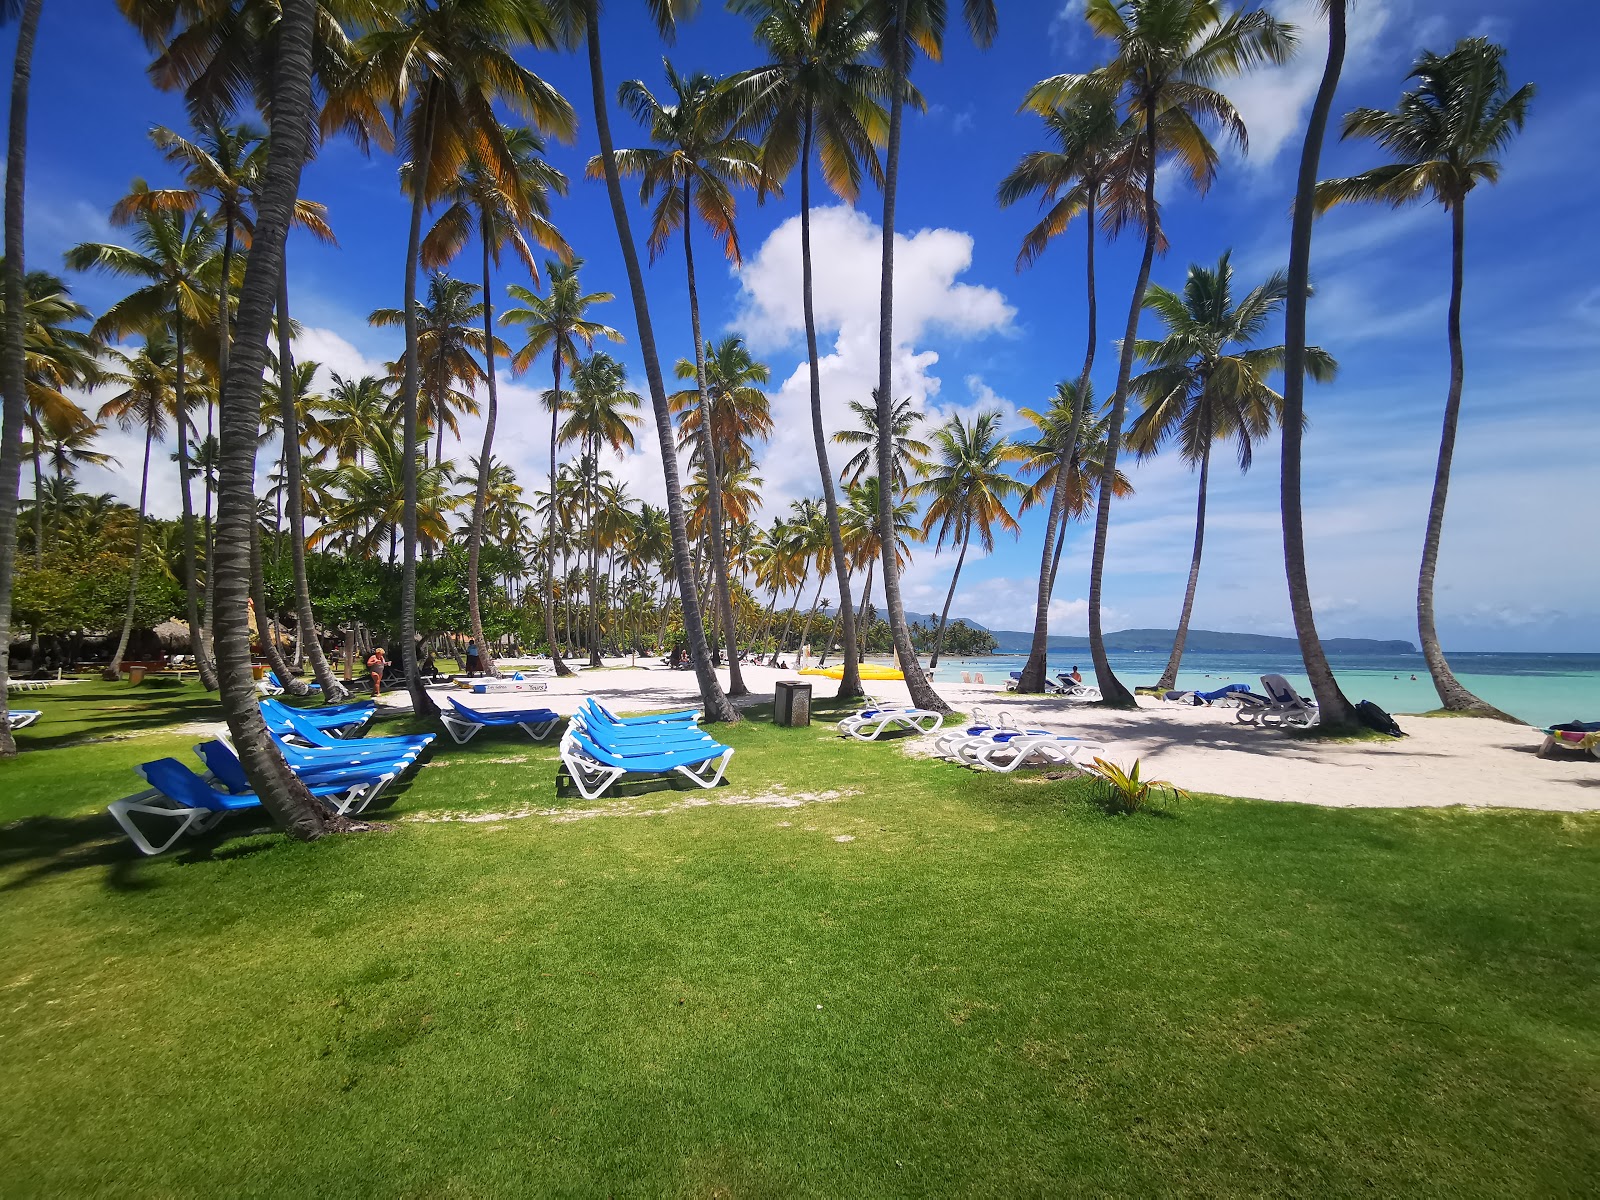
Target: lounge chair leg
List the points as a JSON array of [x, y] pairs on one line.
[[121, 811]]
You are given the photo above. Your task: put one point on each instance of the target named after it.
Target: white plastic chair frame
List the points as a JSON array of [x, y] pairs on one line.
[[920, 720], [593, 777], [463, 730]]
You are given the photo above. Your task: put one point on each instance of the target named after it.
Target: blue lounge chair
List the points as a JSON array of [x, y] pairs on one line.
[[346, 789], [296, 725], [684, 716], [594, 768], [176, 793], [21, 718], [464, 723], [340, 724], [273, 675]]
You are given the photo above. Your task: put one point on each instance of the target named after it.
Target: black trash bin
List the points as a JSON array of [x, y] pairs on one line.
[[791, 703]]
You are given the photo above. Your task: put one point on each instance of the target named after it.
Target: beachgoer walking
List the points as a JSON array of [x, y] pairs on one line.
[[375, 667]]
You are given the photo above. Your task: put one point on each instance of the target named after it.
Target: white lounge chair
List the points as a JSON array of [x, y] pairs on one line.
[[878, 720], [980, 724], [1284, 706], [21, 718], [1031, 748]]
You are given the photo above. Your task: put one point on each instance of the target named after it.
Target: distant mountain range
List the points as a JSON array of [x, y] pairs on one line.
[[1201, 641]]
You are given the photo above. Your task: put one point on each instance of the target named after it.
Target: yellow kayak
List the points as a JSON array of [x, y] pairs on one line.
[[868, 671]]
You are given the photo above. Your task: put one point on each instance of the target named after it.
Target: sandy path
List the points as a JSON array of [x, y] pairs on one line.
[[1443, 761]]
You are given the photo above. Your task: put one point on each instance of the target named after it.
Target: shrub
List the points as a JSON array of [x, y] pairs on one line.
[[1126, 791]]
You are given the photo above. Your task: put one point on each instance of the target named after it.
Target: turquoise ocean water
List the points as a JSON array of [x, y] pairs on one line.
[[1542, 689]]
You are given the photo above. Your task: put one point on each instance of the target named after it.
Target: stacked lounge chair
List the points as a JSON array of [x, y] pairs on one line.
[[1007, 746], [1283, 706], [599, 748]]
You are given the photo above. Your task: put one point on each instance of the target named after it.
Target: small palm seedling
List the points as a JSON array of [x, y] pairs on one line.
[[1126, 791]]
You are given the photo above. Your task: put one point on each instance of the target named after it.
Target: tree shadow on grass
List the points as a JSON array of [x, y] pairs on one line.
[[39, 848]]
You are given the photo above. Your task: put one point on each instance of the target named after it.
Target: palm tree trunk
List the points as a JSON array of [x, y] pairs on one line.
[[421, 703], [866, 602], [332, 690], [713, 700], [708, 457], [283, 795], [850, 681], [38, 506], [266, 628], [12, 360], [191, 584], [1035, 669], [113, 670], [1169, 677], [1336, 713], [944, 613], [1112, 691], [805, 627], [594, 557], [480, 495], [788, 622], [922, 693], [1452, 695], [224, 335], [550, 533]]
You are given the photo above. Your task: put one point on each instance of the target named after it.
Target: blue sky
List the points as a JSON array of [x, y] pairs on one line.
[[1518, 569]]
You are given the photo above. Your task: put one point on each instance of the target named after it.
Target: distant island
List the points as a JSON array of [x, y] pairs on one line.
[[1201, 641]]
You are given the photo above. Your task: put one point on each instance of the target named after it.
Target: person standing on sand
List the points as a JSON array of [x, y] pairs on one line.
[[472, 658], [375, 667]]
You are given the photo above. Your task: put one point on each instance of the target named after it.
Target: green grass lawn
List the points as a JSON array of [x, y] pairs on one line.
[[914, 980]]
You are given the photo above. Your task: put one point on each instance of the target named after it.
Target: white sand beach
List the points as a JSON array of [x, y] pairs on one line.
[[1442, 761]]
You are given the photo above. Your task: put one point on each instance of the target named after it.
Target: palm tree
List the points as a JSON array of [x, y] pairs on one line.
[[352, 411], [600, 411], [1068, 453], [699, 163], [12, 383], [1335, 713], [556, 323], [1208, 384], [819, 91], [298, 422], [448, 343], [289, 32], [365, 513], [176, 259], [507, 204], [55, 357], [903, 27], [446, 63], [740, 413], [148, 399], [910, 454], [1169, 52], [1096, 158], [860, 522], [1446, 134], [580, 19], [968, 490]]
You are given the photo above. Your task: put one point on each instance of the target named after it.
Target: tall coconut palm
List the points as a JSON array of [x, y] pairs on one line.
[[1334, 710], [905, 26], [968, 490], [739, 412], [1068, 452], [1446, 134], [599, 413], [273, 55], [506, 204], [146, 403], [176, 260], [1209, 384], [579, 20], [1096, 160], [352, 412], [1168, 54], [446, 63], [56, 357], [910, 454], [694, 167], [556, 323], [860, 521], [820, 94], [13, 388], [365, 513]]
